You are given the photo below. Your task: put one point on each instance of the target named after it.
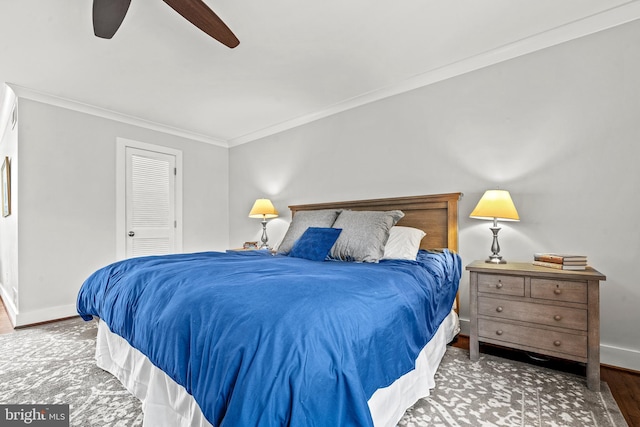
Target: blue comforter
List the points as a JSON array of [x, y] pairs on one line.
[[262, 340]]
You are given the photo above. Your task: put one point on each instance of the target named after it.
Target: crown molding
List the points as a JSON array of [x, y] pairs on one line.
[[46, 98], [580, 28]]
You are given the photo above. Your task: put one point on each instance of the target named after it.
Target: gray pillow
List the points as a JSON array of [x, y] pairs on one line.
[[364, 234], [303, 220]]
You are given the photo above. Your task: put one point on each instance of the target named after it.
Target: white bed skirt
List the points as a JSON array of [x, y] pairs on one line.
[[167, 404]]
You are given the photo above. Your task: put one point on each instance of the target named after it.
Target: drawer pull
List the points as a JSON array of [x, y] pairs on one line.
[[499, 309], [499, 285], [557, 317], [557, 291], [499, 332], [557, 343]]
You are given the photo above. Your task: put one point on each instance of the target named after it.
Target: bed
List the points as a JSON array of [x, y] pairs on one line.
[[239, 339]]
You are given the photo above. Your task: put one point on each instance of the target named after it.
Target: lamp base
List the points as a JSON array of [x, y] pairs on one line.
[[264, 238], [495, 257]]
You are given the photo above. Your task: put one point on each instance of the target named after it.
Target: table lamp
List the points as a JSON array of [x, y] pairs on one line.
[[263, 208], [495, 205]]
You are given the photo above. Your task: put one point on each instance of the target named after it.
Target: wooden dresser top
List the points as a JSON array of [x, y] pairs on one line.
[[527, 268]]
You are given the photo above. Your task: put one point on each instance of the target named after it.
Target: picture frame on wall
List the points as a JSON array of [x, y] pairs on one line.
[[6, 187]]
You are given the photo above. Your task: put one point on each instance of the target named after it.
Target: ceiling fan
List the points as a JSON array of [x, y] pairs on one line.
[[109, 14]]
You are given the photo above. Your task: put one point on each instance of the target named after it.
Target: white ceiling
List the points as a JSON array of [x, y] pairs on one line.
[[297, 60]]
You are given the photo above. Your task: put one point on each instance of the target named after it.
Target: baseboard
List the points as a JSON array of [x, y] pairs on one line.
[[12, 310], [465, 329], [615, 357], [45, 315]]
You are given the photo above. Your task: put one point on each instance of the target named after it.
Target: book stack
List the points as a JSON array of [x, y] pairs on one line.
[[560, 261]]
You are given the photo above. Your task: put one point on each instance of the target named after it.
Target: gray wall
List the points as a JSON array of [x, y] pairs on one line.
[[558, 128], [67, 216], [9, 224]]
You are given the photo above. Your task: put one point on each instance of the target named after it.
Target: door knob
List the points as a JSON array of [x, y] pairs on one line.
[[131, 234]]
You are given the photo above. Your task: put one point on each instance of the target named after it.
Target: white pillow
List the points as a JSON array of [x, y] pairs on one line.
[[403, 243]]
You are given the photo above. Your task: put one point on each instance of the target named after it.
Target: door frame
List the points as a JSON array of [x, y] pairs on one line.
[[121, 213]]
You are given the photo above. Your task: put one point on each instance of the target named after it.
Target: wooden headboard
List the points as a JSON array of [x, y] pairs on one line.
[[435, 214]]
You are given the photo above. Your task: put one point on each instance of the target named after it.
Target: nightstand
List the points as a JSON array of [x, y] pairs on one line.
[[539, 310]]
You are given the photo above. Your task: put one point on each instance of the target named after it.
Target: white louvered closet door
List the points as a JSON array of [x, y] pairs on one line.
[[150, 203]]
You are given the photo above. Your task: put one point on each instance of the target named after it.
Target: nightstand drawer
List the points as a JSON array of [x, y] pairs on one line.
[[551, 315], [501, 284], [540, 339], [559, 290]]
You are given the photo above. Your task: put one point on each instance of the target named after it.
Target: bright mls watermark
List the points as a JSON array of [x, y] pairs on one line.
[[34, 415]]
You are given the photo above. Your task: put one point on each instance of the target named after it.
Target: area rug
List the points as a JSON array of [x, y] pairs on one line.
[[498, 392], [54, 364]]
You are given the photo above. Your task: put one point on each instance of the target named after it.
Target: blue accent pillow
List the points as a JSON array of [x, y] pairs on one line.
[[315, 243]]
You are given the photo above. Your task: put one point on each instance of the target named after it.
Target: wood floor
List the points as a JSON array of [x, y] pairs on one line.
[[624, 385], [5, 324]]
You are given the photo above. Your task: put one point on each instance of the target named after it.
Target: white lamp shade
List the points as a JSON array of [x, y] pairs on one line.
[[496, 204], [263, 208]]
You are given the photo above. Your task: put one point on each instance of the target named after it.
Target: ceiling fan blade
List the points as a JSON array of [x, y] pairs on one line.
[[199, 14], [108, 15]]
